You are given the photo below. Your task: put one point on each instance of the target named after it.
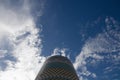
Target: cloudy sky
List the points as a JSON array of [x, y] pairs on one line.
[[87, 32]]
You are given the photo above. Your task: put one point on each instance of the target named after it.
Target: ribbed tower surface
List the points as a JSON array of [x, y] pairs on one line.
[[57, 68]]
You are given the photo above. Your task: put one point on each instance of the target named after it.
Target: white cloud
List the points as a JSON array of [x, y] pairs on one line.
[[106, 42], [58, 51], [19, 39], [2, 53]]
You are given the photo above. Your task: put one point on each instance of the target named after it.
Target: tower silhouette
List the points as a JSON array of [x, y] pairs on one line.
[[57, 68]]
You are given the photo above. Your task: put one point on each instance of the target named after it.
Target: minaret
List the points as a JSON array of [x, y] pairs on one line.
[[57, 68]]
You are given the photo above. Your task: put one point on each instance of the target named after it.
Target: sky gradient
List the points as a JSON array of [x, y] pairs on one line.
[[87, 32]]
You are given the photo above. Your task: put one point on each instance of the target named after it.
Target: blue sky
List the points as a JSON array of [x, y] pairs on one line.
[[87, 32], [70, 22]]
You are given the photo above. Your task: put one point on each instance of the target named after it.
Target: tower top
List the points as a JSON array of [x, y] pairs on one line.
[[57, 68], [58, 58]]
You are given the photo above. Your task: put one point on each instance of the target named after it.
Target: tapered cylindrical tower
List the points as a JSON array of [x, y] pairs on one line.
[[57, 68]]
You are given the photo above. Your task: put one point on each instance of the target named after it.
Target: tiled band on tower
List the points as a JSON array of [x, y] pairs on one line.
[[57, 68]]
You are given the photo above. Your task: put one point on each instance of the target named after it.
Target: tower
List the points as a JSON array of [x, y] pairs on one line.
[[57, 68]]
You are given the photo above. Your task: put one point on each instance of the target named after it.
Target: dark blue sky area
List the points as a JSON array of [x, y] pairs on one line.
[[68, 23]]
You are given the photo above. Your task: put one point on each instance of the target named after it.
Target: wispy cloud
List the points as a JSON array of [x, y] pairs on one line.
[[58, 51], [107, 42], [20, 43]]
